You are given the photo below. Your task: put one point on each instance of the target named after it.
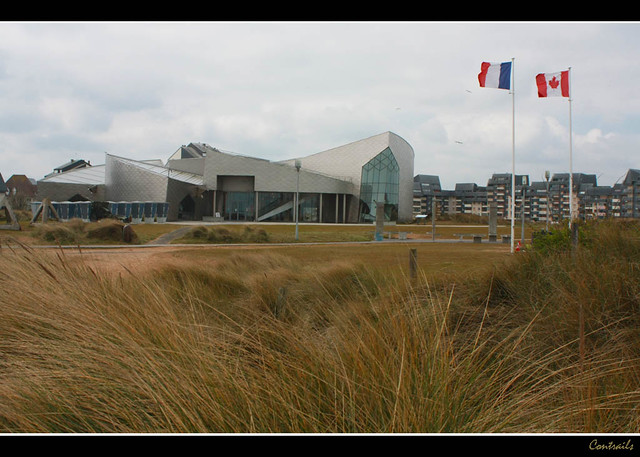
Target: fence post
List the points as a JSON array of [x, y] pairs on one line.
[[413, 263], [281, 301], [574, 234]]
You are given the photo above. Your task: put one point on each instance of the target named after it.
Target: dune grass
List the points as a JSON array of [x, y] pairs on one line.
[[261, 340]]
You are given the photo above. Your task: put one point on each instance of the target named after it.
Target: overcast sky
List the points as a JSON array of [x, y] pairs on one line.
[[279, 90]]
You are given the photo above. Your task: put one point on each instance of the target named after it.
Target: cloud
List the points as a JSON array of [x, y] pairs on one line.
[[281, 90]]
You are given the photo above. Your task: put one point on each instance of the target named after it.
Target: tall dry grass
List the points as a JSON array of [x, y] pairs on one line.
[[268, 343]]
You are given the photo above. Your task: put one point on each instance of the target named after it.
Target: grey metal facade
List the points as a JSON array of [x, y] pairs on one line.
[[346, 162], [201, 181]]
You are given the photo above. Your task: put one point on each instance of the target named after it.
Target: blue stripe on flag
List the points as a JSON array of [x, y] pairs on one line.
[[505, 76]]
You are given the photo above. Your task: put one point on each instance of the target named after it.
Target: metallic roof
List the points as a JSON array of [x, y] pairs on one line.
[[154, 167], [91, 175]]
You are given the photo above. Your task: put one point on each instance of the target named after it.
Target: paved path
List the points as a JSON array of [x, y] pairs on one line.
[[168, 237]]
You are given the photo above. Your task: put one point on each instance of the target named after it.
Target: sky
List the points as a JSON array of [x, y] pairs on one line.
[[279, 90]]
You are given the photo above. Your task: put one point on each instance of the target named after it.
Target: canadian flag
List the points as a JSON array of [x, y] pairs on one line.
[[553, 84]]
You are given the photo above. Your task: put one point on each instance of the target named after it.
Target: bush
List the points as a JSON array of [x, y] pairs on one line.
[[58, 233], [108, 230], [223, 235], [255, 236], [199, 232], [77, 231], [555, 241]]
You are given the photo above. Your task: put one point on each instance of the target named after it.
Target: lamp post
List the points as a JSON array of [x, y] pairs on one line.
[[547, 175], [298, 166], [524, 193], [633, 199]]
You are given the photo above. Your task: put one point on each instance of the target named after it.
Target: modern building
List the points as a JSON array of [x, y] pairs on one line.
[[200, 182]]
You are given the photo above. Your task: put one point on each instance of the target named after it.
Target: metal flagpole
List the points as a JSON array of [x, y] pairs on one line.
[[513, 155], [570, 157]]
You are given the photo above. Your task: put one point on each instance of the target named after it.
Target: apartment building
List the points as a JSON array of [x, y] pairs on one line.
[[540, 201], [425, 188], [629, 201]]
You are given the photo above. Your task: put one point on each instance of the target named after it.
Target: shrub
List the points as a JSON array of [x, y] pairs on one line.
[[109, 230], [200, 232], [255, 236], [221, 235], [57, 232], [558, 240], [224, 235]]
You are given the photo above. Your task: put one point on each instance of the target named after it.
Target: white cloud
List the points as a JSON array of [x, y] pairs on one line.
[[279, 90]]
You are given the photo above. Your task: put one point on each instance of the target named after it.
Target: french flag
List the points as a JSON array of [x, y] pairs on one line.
[[495, 75], [553, 84]]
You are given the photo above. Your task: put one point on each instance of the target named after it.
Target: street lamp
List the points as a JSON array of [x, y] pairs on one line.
[[524, 193], [547, 175], [633, 199], [298, 166]]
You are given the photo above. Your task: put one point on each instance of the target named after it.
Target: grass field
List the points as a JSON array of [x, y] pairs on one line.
[[109, 232], [323, 338]]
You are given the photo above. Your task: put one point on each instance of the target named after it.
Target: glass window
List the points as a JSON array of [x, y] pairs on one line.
[[309, 207], [239, 206], [275, 206], [380, 183]]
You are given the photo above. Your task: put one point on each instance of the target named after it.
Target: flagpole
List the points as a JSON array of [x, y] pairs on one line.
[[513, 154], [570, 157]]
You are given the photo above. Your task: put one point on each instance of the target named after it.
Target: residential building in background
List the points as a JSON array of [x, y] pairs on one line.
[[629, 200], [541, 201]]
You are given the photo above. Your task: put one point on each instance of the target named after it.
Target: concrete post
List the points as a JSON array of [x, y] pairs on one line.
[[434, 206], [493, 222], [379, 221]]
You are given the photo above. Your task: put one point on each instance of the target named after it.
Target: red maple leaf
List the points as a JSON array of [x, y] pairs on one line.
[[554, 83]]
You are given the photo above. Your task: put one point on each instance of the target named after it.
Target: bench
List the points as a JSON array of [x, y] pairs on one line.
[[476, 238], [389, 235]]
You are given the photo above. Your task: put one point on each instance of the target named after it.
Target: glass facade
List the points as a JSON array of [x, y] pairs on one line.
[[309, 208], [275, 206], [380, 183], [279, 207], [239, 206]]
